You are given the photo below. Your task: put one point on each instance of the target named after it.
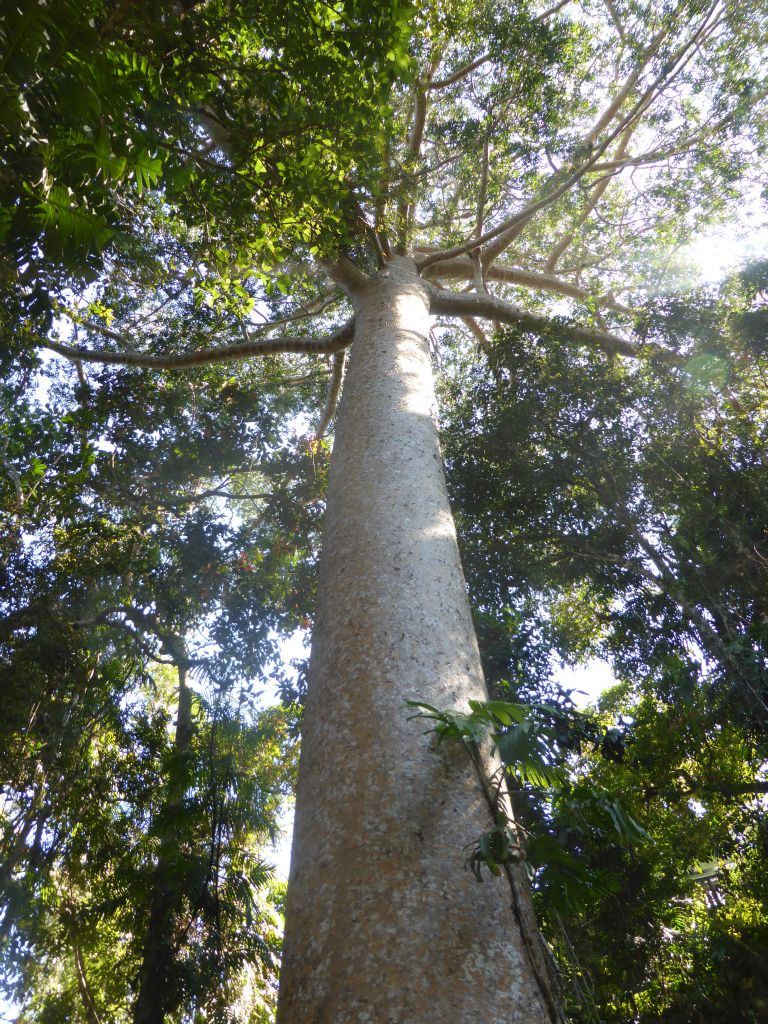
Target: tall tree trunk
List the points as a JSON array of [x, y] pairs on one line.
[[158, 990], [384, 925]]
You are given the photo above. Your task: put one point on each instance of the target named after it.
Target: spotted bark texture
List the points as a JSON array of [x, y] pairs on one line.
[[384, 925]]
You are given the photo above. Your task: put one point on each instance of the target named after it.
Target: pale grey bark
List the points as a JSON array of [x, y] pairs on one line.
[[335, 342], [334, 390], [467, 69], [384, 925], [463, 304], [463, 269]]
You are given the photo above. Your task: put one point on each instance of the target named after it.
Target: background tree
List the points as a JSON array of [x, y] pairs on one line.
[[549, 163], [680, 929], [141, 781]]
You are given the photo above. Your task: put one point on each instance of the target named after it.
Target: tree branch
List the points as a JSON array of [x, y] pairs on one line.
[[86, 996], [616, 20], [303, 312], [335, 342], [415, 137], [12, 472], [480, 219], [467, 69], [550, 11], [497, 239], [597, 193], [621, 96], [462, 269], [213, 492], [503, 238], [103, 619], [476, 331], [334, 390], [685, 145], [306, 311], [723, 788], [345, 274], [444, 303]]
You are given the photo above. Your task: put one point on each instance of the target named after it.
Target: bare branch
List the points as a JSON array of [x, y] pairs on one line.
[[12, 472], [474, 255], [621, 96], [443, 83], [616, 20], [685, 145], [143, 317], [99, 328], [552, 10], [507, 227], [724, 788], [86, 995], [214, 492], [334, 390], [476, 331], [444, 303], [413, 148], [244, 496], [483, 189], [462, 269], [404, 208], [551, 192], [497, 239], [597, 193], [215, 129], [336, 342], [306, 311], [103, 619]]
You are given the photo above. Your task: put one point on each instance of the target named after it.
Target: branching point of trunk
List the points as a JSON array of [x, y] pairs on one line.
[[344, 273]]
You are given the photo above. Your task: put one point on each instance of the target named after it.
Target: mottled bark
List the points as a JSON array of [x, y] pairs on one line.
[[384, 925]]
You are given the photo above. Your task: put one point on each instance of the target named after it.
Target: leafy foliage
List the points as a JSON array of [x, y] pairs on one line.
[[626, 497], [104, 102], [119, 569], [533, 742]]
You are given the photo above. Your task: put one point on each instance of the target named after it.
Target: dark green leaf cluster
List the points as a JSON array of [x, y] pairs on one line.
[[105, 102], [533, 742]]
